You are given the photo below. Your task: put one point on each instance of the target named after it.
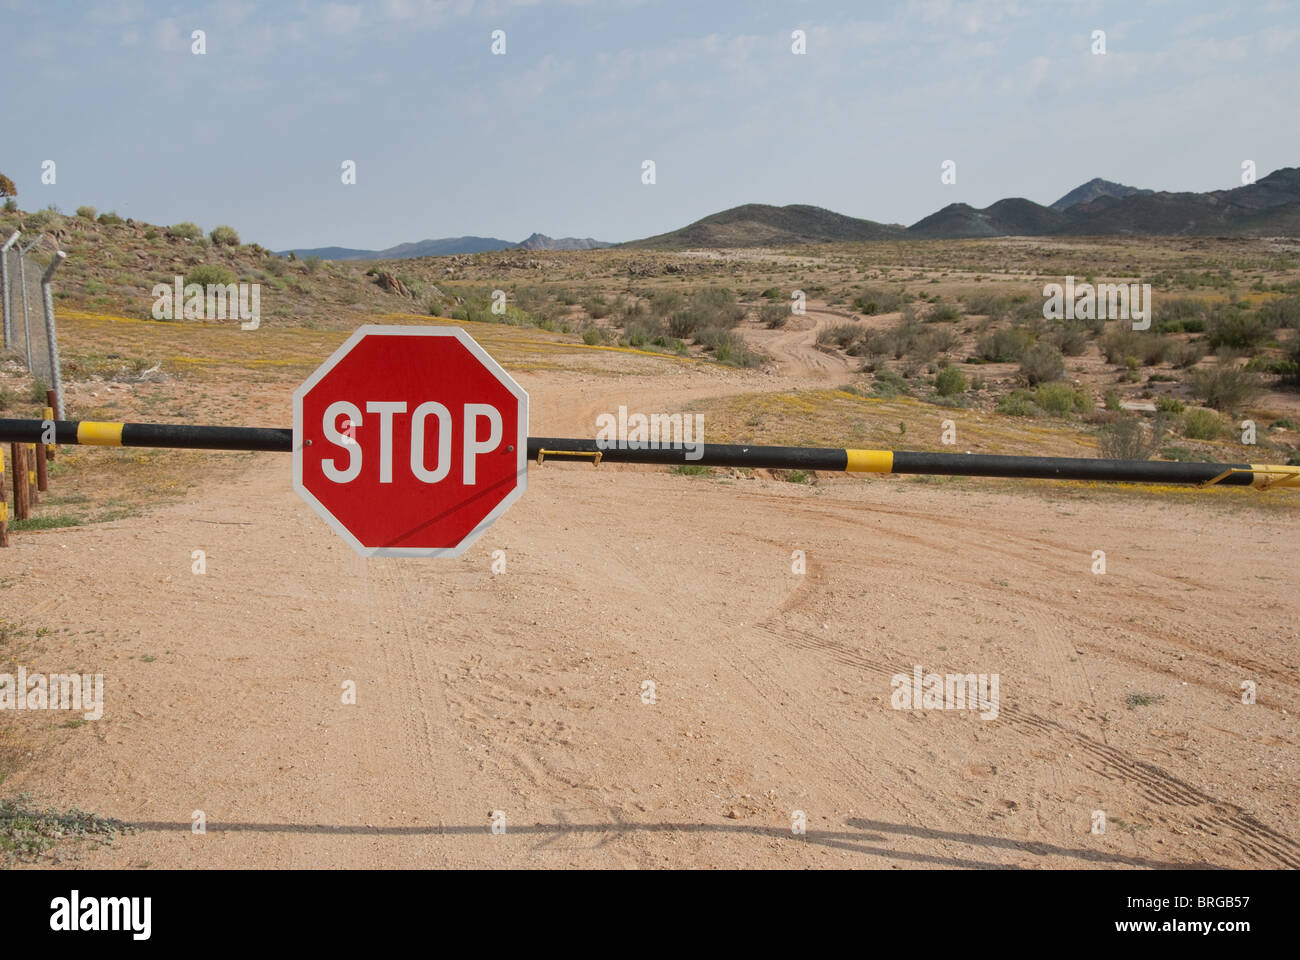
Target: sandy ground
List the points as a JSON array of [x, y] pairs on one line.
[[525, 692]]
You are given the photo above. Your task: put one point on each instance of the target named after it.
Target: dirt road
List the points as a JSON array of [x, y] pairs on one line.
[[651, 681]]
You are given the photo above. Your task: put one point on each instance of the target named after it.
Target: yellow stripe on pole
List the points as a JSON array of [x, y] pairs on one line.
[[870, 461], [1274, 476], [99, 434], [4, 511], [48, 413]]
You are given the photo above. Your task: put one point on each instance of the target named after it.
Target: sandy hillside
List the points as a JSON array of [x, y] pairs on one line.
[[522, 692]]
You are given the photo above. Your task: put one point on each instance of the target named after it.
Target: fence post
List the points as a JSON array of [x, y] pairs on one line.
[[5, 310], [22, 506], [42, 468], [22, 282], [4, 497], [50, 335]]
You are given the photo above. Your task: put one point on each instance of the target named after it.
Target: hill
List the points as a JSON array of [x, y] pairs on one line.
[[760, 224], [405, 251], [1095, 188], [449, 246], [1013, 217], [1269, 206], [540, 241]]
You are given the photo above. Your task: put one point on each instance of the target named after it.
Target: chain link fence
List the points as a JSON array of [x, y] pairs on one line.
[[27, 304]]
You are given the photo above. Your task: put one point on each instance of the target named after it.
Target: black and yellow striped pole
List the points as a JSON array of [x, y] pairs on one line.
[[837, 459]]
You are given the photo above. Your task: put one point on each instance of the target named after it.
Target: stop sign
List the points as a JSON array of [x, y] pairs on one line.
[[410, 441]]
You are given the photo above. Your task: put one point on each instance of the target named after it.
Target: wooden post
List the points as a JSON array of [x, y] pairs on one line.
[[51, 404], [42, 469], [22, 505], [4, 503]]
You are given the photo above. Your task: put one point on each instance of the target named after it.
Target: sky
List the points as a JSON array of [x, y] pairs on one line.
[[449, 138]]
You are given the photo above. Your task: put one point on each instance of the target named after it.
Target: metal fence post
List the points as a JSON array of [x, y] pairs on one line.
[[22, 282], [50, 335], [5, 311]]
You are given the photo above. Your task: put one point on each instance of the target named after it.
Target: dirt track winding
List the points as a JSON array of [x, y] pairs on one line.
[[522, 692]]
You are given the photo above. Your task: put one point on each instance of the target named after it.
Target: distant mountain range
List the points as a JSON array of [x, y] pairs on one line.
[[1269, 207], [449, 245]]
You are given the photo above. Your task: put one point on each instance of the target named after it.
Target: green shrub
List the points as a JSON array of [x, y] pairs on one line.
[[1068, 336], [207, 273], [186, 230], [1062, 398], [719, 305], [664, 303], [991, 305], [1290, 367], [889, 384], [1201, 424], [224, 236], [47, 219], [1173, 316], [731, 349], [1042, 363], [1225, 386], [1112, 400], [774, 315], [1004, 346], [1149, 347], [595, 307], [87, 212], [1235, 329], [949, 382], [110, 219], [642, 332], [1128, 438], [1170, 405], [1283, 312], [872, 301], [1186, 355], [842, 335], [1017, 403], [945, 314], [683, 323], [593, 336]]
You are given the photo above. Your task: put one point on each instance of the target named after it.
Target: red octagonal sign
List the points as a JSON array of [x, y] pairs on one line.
[[410, 441]]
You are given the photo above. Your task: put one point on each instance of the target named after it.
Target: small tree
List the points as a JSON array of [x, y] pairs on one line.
[[7, 188]]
